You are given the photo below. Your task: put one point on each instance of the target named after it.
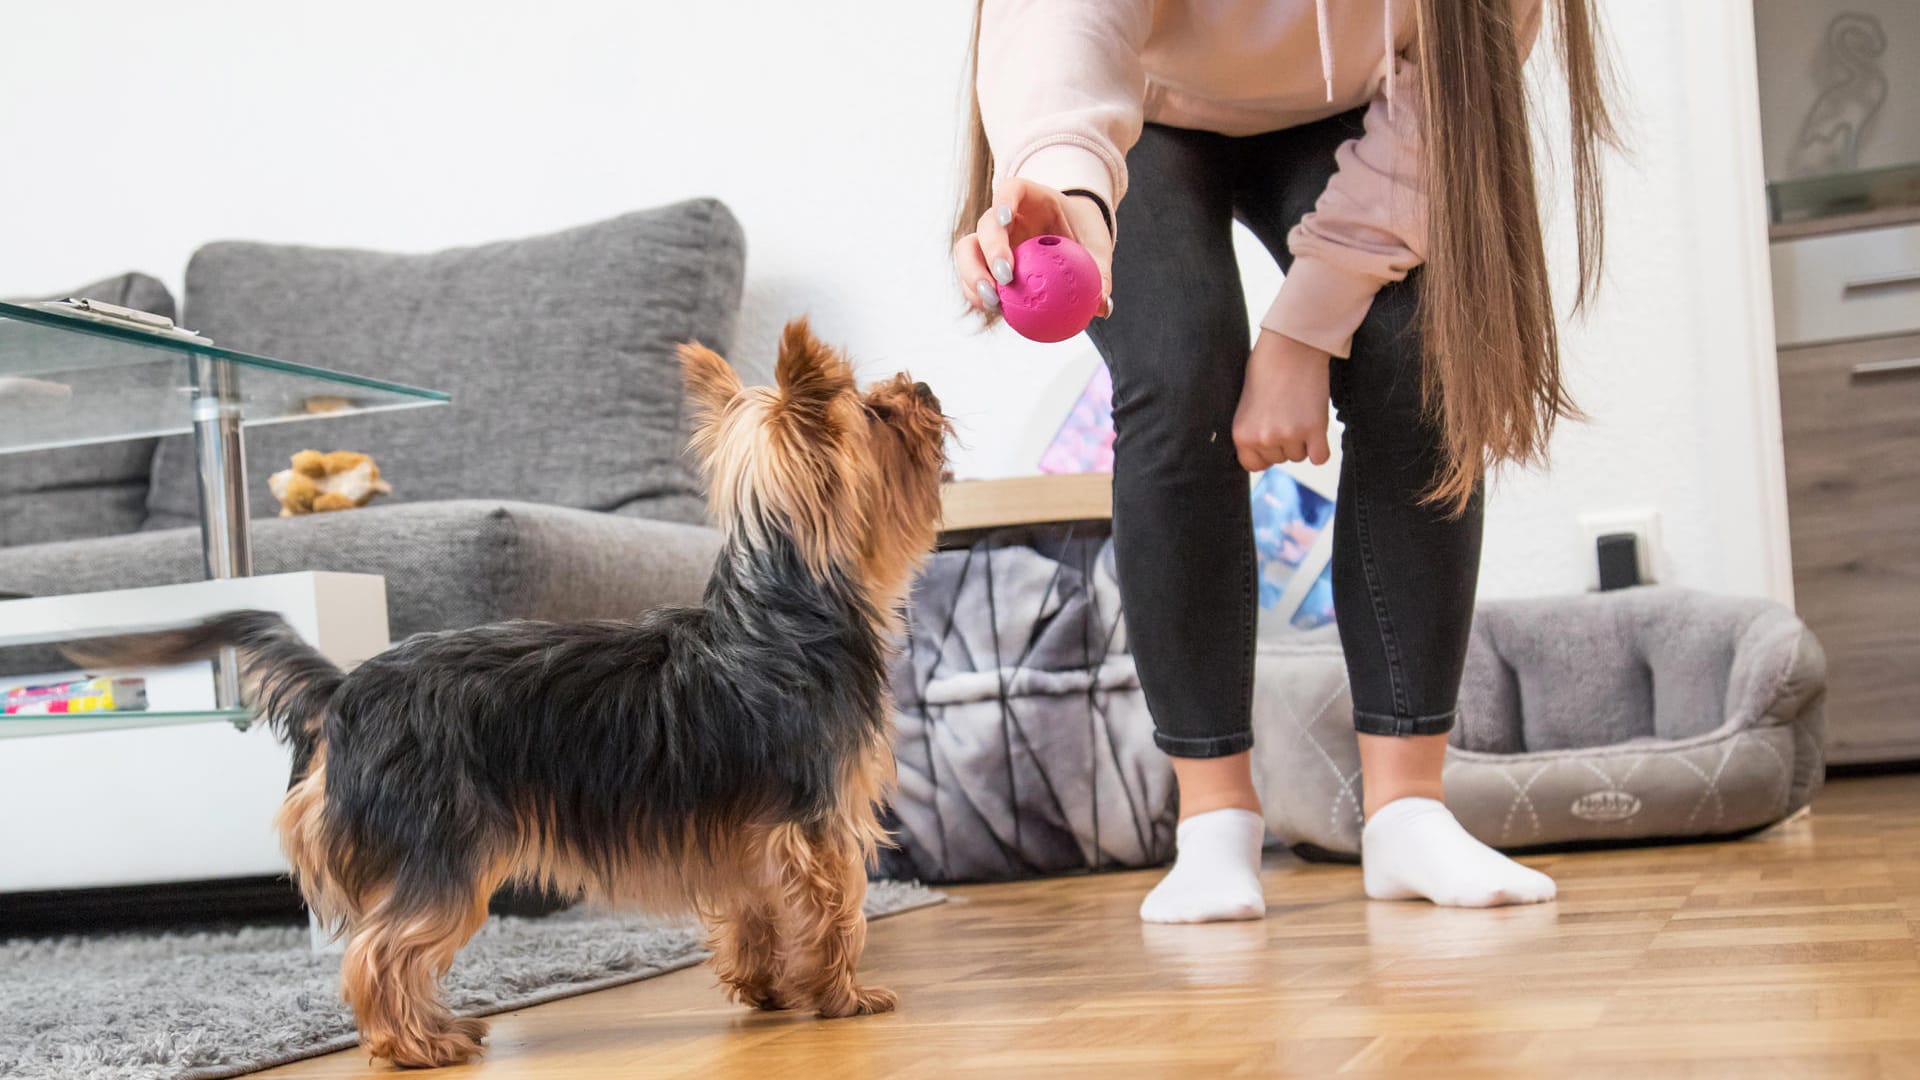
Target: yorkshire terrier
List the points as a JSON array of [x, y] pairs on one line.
[[727, 759]]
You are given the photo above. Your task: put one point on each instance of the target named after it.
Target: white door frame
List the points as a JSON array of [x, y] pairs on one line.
[[1747, 467]]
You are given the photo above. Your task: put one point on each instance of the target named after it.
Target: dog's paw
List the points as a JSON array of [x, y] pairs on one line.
[[764, 998], [456, 1043], [467, 1032], [864, 1001]]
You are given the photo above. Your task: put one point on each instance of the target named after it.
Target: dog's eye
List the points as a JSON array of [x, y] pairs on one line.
[[879, 412]]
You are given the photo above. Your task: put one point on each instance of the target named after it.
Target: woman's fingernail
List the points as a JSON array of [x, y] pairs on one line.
[[1003, 271], [1003, 215], [988, 298], [1109, 307]]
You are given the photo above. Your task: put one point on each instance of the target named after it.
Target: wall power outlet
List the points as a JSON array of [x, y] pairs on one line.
[[1642, 523]]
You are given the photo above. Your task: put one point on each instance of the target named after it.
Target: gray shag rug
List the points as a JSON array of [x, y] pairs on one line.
[[203, 1006]]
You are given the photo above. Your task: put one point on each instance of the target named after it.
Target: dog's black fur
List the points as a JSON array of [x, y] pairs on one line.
[[615, 738]]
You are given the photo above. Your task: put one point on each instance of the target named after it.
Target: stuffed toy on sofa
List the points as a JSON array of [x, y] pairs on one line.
[[341, 480]]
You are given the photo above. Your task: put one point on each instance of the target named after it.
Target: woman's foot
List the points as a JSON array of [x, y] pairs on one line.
[[1414, 848], [1216, 872]]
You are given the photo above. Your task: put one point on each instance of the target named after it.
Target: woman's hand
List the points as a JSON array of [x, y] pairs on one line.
[[1283, 404], [1023, 209]]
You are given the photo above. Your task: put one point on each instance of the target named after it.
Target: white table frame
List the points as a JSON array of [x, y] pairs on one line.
[[150, 805]]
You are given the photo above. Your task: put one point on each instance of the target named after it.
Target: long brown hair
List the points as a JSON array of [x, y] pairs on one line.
[[1491, 376]]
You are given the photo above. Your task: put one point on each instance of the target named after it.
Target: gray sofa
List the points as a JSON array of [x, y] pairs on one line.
[[553, 487]]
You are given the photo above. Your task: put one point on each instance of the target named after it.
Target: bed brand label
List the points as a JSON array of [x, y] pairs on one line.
[[1606, 806]]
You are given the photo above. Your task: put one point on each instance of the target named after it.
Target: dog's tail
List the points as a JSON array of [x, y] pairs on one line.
[[282, 678]]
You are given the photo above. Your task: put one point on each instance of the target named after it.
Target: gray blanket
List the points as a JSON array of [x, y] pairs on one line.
[[1024, 744]]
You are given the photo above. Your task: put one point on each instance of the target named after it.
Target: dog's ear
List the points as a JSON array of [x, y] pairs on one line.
[[711, 383], [810, 374]]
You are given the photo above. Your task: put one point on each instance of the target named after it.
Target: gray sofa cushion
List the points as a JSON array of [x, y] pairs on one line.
[[83, 491], [1650, 713], [448, 564], [558, 351]]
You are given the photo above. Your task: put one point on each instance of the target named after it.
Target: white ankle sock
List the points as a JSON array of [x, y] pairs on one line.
[[1413, 848], [1216, 871]]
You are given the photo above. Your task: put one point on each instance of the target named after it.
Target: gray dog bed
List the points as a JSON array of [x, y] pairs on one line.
[[1653, 713]]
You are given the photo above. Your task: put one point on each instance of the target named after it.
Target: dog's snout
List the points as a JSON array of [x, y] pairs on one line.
[[924, 392]]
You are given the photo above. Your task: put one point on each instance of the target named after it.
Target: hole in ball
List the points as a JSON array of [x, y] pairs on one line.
[[1049, 241]]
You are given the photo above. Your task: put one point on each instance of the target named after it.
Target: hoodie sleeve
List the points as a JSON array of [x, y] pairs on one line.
[[1060, 86], [1369, 227]]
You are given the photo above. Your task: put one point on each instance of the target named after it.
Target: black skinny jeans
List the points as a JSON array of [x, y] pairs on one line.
[[1403, 573]]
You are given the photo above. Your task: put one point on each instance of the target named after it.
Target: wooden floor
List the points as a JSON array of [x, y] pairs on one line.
[[1789, 954]]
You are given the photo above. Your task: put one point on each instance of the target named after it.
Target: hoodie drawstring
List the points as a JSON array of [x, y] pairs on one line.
[[1326, 48], [1393, 59], [1326, 45]]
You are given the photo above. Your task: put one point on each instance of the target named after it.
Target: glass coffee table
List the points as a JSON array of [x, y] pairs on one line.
[[83, 372]]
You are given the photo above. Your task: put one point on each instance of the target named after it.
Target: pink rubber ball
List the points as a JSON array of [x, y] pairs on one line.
[[1055, 290]]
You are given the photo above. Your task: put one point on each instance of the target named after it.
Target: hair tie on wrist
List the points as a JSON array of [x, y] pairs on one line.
[[1106, 214]]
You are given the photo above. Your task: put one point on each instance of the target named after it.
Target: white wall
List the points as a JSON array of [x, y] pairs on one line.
[[829, 128], [1675, 363]]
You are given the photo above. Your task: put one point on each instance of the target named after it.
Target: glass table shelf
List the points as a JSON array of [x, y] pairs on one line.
[[1863, 191], [81, 372], [69, 380], [27, 727]]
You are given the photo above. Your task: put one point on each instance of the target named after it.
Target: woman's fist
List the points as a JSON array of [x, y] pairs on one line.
[[1283, 404]]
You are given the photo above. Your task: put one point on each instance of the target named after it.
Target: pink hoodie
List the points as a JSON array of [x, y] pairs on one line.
[[1065, 84]]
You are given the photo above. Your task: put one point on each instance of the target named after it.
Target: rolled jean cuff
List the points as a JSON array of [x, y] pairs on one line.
[[1204, 746], [1367, 723]]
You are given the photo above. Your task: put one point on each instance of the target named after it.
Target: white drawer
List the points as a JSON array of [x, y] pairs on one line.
[[1848, 285]]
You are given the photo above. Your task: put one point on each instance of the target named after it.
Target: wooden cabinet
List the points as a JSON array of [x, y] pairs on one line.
[[1850, 414], [1847, 286]]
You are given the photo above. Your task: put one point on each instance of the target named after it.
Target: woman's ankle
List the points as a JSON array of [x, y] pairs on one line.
[[1372, 802], [1247, 801], [1400, 767], [1209, 784]]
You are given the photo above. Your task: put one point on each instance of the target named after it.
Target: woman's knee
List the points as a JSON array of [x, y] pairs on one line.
[[1180, 390]]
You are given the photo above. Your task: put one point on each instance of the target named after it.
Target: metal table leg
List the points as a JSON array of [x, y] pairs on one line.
[[222, 460]]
